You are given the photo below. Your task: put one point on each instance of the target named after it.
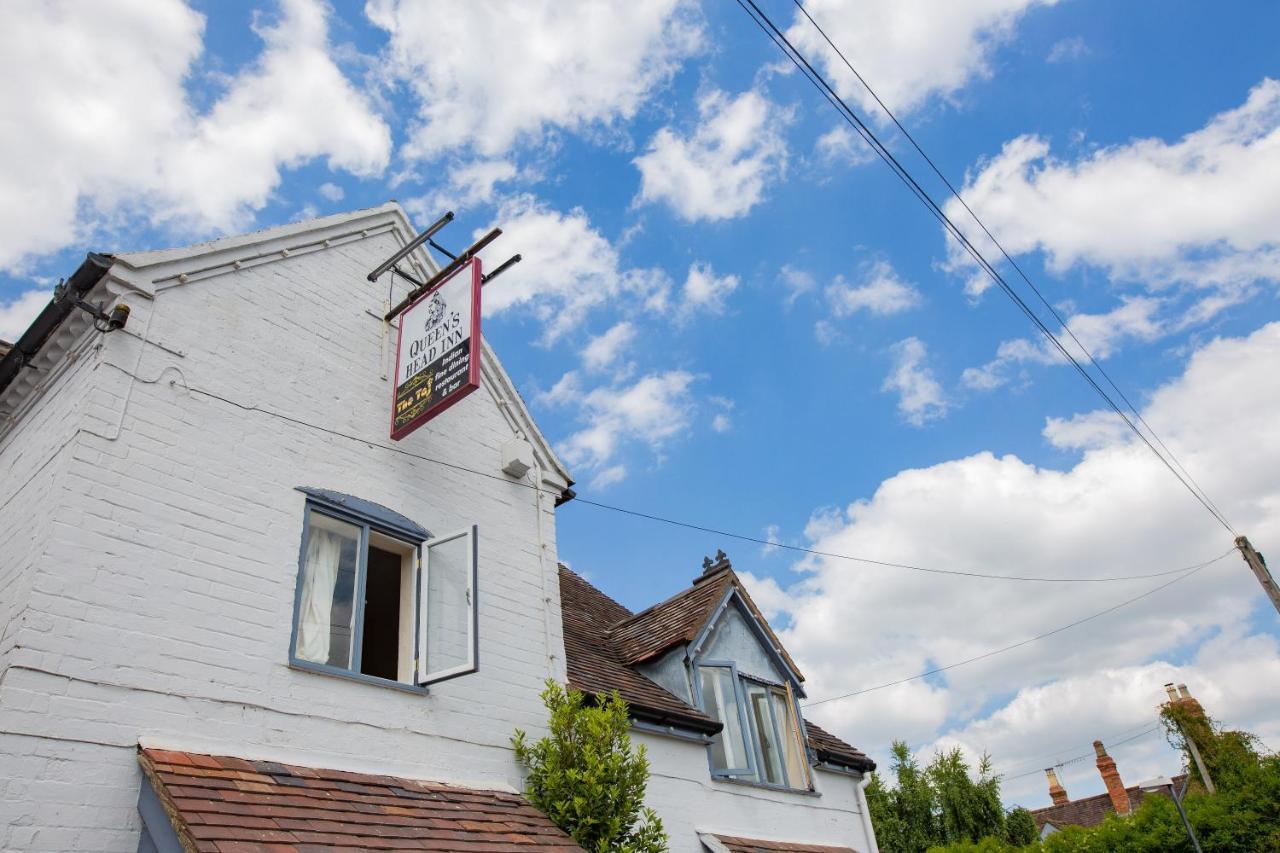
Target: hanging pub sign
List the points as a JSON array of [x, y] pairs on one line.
[[437, 350]]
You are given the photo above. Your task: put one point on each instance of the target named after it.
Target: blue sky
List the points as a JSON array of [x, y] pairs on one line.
[[731, 314]]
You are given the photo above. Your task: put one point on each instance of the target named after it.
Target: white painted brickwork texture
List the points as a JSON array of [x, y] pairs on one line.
[[689, 801], [155, 573]]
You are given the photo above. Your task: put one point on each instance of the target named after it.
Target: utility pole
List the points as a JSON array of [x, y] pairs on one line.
[[1260, 571]]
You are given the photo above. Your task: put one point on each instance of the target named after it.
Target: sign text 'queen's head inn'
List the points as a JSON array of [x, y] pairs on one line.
[[238, 614]]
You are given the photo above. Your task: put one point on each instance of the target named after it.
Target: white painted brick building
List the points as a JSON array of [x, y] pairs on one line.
[[151, 521]]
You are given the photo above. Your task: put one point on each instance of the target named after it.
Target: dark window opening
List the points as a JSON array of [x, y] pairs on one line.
[[380, 647]]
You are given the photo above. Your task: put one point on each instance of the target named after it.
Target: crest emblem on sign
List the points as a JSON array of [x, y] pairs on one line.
[[435, 313]]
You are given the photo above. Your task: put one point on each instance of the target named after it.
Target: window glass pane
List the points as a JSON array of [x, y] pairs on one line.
[[728, 749], [766, 734], [325, 609], [794, 757], [447, 643]]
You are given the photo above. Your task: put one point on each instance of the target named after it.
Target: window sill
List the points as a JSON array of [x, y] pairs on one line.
[[778, 789], [359, 677]]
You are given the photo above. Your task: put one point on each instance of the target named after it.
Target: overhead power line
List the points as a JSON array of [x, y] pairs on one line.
[[1025, 642], [688, 525], [815, 78], [1009, 258], [1082, 756]]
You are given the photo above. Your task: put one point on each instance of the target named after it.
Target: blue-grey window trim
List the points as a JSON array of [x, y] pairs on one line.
[[342, 513], [762, 638], [367, 512], [777, 732], [157, 829], [742, 722]]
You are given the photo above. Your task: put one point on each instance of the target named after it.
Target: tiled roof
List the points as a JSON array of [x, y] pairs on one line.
[[753, 845], [1089, 811], [595, 667], [835, 751], [680, 618], [226, 805]]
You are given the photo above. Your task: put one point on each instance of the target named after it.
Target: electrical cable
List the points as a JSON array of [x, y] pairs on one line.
[[247, 407], [1016, 266], [1110, 744], [816, 79], [1025, 642]]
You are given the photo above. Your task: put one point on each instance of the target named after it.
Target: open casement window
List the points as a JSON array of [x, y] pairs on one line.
[[730, 754], [447, 608], [366, 608], [761, 740]]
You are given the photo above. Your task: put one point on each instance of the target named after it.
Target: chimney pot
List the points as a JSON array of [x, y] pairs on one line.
[[1056, 792], [1099, 749], [1182, 689], [1172, 691]]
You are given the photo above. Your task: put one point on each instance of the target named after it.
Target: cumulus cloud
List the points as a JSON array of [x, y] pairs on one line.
[[1194, 212], [879, 290], [705, 291], [605, 349], [465, 185], [139, 146], [798, 282], [841, 146], [920, 396], [569, 268], [650, 411], [1116, 511], [721, 170], [1100, 334], [563, 66], [908, 50], [16, 314]]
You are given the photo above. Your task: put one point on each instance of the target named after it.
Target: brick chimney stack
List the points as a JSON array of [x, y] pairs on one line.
[[1057, 793], [1111, 777]]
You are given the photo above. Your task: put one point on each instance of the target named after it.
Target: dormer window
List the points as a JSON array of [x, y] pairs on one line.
[[761, 740]]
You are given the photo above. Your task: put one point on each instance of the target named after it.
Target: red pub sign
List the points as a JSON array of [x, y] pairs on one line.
[[437, 350]]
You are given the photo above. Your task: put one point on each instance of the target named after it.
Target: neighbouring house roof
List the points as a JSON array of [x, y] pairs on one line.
[[1090, 811], [592, 623], [218, 803], [719, 843], [679, 619]]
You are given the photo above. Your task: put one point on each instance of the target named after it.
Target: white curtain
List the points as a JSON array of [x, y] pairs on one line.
[[324, 552]]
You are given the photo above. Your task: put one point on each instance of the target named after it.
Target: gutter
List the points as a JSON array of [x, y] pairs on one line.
[[83, 280]]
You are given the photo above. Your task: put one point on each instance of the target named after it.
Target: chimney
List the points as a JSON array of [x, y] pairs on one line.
[[1172, 691], [1111, 777], [1183, 691], [1057, 793]]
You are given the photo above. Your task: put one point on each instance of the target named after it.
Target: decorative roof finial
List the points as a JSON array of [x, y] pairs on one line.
[[706, 563], [721, 556]]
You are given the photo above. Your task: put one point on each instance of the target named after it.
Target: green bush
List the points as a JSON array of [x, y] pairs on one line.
[[587, 778], [1020, 828]]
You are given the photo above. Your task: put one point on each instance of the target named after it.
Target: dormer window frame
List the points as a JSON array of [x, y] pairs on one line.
[[753, 774]]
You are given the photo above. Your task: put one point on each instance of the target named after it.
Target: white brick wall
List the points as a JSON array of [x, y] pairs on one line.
[[158, 588], [683, 794]]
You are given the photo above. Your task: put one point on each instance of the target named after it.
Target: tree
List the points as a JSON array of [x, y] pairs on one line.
[[587, 778], [1020, 827]]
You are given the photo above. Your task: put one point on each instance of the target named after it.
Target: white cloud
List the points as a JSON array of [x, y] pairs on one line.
[[908, 50], [1196, 212], [568, 270], [797, 281], [771, 534], [920, 397], [721, 171], [1067, 50], [466, 185], [878, 290], [489, 74], [17, 314], [106, 139], [721, 423], [826, 333], [841, 146], [652, 410], [603, 350], [1085, 431], [1117, 511], [705, 291], [331, 191], [1101, 334]]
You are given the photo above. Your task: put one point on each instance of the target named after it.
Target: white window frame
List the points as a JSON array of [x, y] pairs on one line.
[[422, 675]]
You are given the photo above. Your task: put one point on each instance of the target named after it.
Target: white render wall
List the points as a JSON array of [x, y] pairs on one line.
[[157, 569], [689, 802]]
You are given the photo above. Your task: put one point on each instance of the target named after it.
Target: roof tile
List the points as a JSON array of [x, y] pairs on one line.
[[307, 809], [755, 845]]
